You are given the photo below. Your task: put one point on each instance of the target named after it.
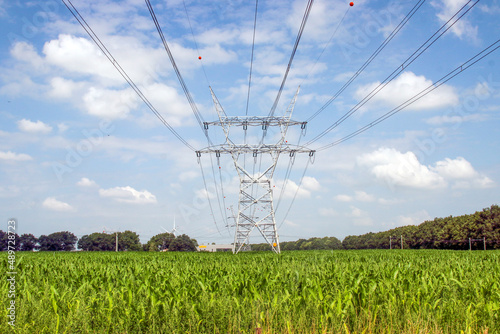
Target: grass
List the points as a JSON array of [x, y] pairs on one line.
[[379, 291]]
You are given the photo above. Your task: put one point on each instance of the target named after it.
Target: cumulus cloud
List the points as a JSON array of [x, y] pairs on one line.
[[128, 195], [343, 198], [463, 28], [360, 196], [78, 55], [53, 204], [309, 185], [327, 212], [360, 217], [448, 119], [412, 219], [26, 52], [405, 87], [26, 125], [462, 172], [108, 103], [403, 169], [14, 156], [63, 88], [85, 182]]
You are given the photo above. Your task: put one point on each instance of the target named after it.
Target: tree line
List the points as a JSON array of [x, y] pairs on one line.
[[303, 244], [124, 241], [476, 230], [440, 233]]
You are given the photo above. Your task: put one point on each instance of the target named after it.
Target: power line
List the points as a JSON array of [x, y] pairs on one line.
[[120, 70], [208, 195], [371, 58], [195, 43], [485, 52], [297, 40], [430, 41], [251, 58], [194, 108], [328, 43], [296, 191]]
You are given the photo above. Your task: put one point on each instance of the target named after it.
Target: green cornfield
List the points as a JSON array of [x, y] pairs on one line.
[[372, 291]]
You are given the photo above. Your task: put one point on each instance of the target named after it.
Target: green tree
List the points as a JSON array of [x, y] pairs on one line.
[[97, 242], [183, 243], [159, 242], [129, 241], [27, 242], [58, 241]]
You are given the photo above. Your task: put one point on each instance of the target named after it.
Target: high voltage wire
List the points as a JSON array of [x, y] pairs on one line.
[[428, 43], [485, 52], [194, 108], [296, 192], [251, 57], [371, 58], [195, 43], [297, 40], [208, 196], [326, 46], [120, 70]]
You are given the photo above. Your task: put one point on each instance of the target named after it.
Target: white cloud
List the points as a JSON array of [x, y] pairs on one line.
[[405, 87], [78, 55], [14, 156], [128, 195], [401, 169], [412, 219], [27, 53], [463, 28], [85, 182], [170, 104], [446, 119], [188, 175], [33, 127], [327, 212], [359, 196], [364, 197], [360, 217], [109, 104], [62, 127], [343, 198], [53, 204], [310, 183], [204, 194], [404, 169], [63, 88], [463, 173]]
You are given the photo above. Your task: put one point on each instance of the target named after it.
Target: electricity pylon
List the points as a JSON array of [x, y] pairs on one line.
[[255, 204]]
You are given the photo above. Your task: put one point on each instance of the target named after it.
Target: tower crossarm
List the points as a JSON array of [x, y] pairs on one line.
[[255, 149], [245, 121]]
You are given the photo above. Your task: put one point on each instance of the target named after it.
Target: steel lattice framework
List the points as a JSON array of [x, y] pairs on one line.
[[255, 203]]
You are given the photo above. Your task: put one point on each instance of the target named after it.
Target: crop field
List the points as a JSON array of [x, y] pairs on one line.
[[382, 291]]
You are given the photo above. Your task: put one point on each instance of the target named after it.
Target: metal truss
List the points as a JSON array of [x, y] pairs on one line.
[[255, 203]]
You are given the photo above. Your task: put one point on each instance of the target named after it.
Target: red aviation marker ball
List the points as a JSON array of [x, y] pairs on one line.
[[351, 4], [199, 57]]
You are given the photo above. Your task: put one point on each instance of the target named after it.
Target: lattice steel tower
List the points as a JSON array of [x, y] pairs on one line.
[[255, 204]]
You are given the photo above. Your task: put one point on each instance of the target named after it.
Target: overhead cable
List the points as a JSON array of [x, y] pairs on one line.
[[485, 52], [251, 59], [371, 58], [297, 40], [120, 70], [194, 108], [440, 32]]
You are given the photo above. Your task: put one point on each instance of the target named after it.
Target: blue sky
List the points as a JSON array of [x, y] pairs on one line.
[[79, 150]]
